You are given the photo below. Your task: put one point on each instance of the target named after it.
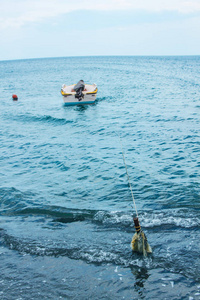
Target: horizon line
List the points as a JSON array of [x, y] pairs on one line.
[[102, 55]]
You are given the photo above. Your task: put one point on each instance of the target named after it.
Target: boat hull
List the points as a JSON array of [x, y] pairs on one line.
[[87, 99]]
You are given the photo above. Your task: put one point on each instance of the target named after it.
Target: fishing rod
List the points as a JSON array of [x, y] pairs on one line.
[[139, 241], [129, 179]]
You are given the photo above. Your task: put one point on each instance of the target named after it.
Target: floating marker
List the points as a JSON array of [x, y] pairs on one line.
[[14, 97]]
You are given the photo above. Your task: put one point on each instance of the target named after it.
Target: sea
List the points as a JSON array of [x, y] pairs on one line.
[[66, 208]]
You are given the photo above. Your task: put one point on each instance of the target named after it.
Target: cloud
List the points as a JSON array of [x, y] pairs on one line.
[[15, 14]]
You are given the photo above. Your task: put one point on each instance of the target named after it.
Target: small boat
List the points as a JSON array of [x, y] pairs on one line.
[[79, 93]]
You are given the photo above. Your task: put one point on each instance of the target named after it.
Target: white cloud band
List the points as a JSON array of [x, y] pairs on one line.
[[18, 13]]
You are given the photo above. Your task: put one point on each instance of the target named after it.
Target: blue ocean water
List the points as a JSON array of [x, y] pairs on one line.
[[66, 211]]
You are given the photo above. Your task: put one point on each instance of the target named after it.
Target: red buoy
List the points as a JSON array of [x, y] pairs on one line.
[[14, 97]]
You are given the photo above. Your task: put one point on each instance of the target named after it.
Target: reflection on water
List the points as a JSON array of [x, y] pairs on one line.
[[140, 275]]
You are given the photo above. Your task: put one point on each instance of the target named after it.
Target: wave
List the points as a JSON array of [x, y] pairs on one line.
[[98, 236], [27, 118], [106, 246], [16, 203]]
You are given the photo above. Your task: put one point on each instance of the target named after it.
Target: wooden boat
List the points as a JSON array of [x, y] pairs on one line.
[[79, 93]]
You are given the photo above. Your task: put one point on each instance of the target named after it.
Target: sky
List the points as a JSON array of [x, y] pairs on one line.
[[59, 28]]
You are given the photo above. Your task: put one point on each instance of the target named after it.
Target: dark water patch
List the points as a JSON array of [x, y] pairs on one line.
[[59, 214], [114, 250], [96, 254], [44, 119], [99, 99], [70, 219], [104, 241]]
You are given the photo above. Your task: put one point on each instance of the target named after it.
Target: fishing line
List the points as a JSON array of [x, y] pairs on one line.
[[128, 178]]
